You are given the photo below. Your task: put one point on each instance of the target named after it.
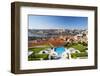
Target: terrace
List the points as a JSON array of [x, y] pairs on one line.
[[45, 52]]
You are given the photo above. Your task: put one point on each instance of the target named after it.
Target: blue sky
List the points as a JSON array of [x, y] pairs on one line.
[[57, 22]]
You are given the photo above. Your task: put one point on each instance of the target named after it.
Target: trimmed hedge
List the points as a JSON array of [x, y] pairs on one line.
[[38, 57], [75, 55]]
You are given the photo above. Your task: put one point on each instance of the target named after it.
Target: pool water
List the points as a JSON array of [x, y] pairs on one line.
[[59, 50]]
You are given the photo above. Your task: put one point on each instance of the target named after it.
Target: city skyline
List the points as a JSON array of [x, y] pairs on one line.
[[57, 22]]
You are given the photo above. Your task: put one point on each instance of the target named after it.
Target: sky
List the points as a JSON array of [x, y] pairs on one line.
[[57, 22]]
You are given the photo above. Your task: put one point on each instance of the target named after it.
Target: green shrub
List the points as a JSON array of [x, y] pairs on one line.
[[75, 55], [30, 59], [44, 56], [38, 57]]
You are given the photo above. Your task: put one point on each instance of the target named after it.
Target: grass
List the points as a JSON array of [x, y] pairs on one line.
[[38, 57], [36, 50], [75, 55], [35, 55], [77, 46]]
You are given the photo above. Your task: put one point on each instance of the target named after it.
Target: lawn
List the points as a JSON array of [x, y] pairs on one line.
[[35, 55], [36, 50], [75, 55], [77, 46], [38, 57]]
